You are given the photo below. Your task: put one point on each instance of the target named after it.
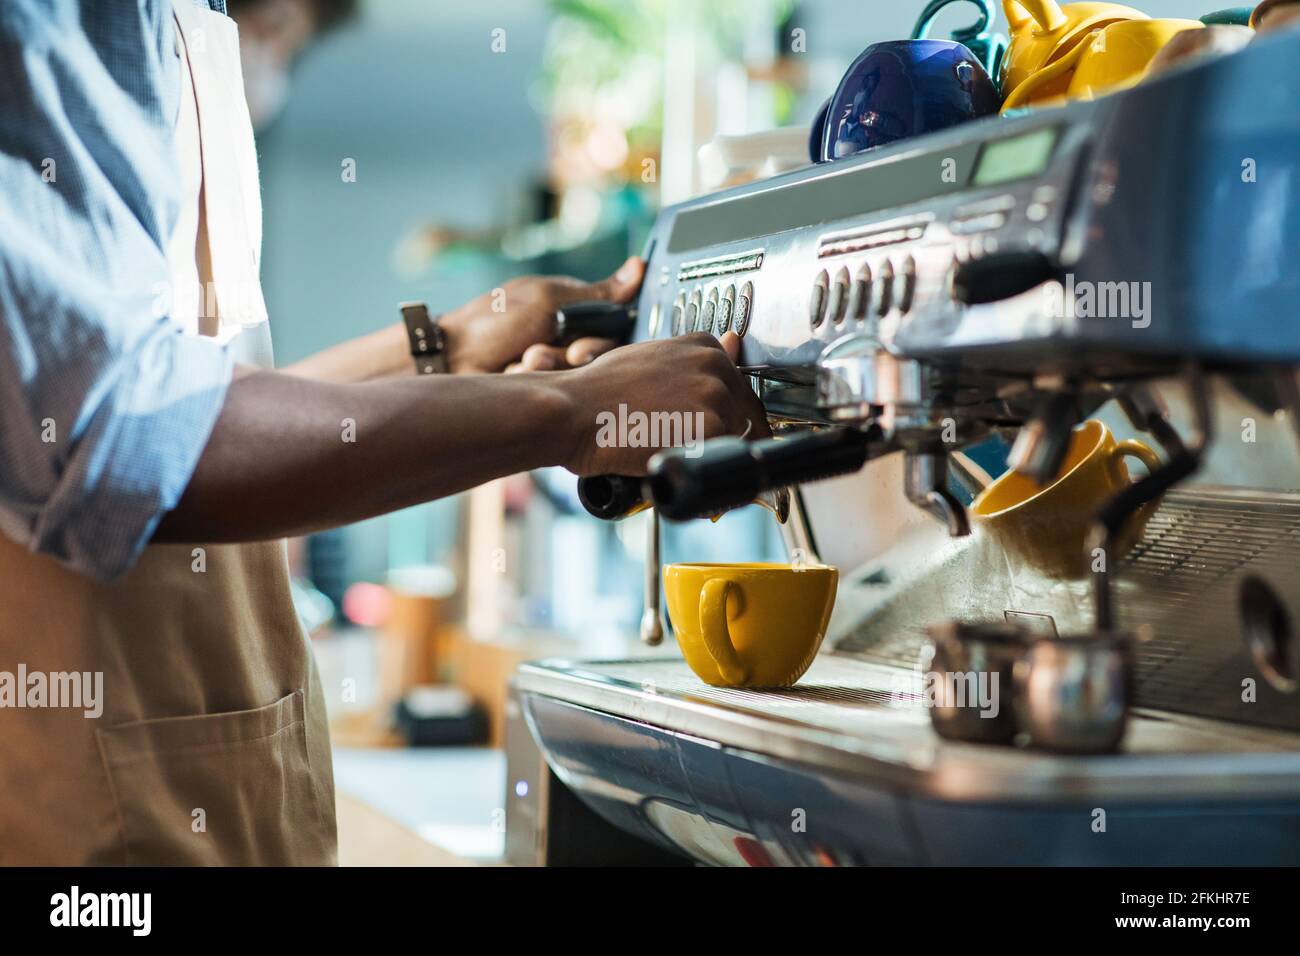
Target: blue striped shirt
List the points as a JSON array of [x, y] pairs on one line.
[[105, 404]]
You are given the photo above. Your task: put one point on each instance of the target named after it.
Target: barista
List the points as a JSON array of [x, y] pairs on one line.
[[152, 464]]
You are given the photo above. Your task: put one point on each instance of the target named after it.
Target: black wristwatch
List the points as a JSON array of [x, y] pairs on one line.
[[428, 340]]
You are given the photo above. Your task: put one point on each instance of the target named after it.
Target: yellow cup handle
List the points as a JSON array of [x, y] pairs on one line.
[[1017, 16], [1046, 13], [713, 626], [1132, 448]]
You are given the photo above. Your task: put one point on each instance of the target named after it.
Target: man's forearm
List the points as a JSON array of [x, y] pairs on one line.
[[511, 324], [290, 455], [382, 354], [293, 455]]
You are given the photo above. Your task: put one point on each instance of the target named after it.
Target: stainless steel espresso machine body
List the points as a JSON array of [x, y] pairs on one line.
[[1133, 258], [1163, 185]]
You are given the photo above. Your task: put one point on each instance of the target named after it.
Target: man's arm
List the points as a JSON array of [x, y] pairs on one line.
[[380, 354], [290, 455], [510, 328]]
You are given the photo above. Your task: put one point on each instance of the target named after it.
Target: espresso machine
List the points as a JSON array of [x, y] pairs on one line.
[[898, 309]]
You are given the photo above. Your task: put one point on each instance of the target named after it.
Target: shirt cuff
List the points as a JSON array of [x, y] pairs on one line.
[[137, 455]]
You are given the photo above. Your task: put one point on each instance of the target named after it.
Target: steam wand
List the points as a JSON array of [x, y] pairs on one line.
[[652, 623]]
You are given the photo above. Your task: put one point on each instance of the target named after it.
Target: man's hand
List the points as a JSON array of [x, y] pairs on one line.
[[512, 328], [691, 380]]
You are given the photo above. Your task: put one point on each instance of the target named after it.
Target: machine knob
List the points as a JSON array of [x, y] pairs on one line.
[[656, 320], [817, 301], [860, 294], [838, 297], [884, 287], [907, 281], [744, 308], [706, 317], [724, 310]]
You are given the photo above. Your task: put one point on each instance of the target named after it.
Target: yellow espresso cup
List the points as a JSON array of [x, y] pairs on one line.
[[750, 625], [1118, 56], [1047, 526], [1042, 31], [1112, 59]]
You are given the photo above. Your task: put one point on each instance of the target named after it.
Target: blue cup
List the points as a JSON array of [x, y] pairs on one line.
[[903, 88]]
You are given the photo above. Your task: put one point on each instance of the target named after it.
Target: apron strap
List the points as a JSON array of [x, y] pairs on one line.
[[231, 205]]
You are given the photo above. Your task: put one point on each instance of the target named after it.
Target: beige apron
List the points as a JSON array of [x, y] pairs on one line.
[[212, 747]]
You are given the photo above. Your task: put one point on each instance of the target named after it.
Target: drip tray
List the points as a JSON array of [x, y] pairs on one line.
[[866, 719]]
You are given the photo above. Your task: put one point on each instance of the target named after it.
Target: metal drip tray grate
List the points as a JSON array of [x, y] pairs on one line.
[[836, 694], [1181, 582], [1184, 580]]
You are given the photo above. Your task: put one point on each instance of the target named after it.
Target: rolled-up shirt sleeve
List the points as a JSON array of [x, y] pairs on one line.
[[105, 403]]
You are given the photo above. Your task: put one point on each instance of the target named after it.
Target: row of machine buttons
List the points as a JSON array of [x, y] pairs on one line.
[[987, 215], [717, 312], [864, 294]]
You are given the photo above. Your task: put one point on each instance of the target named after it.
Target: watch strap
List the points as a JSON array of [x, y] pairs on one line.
[[428, 342]]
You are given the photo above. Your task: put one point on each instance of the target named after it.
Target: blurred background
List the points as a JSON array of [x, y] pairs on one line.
[[430, 149]]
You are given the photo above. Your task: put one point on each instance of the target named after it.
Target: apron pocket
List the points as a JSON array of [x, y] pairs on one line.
[[218, 789]]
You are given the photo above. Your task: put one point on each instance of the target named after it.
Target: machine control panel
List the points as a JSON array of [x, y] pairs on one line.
[[845, 247]]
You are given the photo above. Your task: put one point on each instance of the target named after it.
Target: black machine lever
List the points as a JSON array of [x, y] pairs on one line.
[[993, 278], [730, 472], [598, 320]]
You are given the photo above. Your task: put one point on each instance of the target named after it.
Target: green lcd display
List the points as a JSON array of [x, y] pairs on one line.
[[1015, 158]]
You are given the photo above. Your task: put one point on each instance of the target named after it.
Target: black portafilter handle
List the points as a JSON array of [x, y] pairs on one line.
[[727, 473], [612, 497], [609, 497], [595, 320]]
